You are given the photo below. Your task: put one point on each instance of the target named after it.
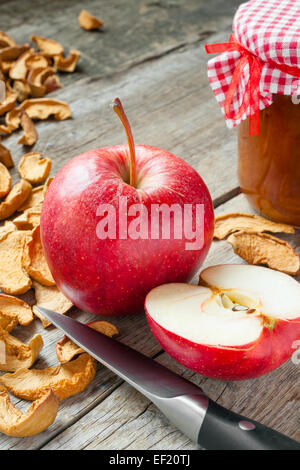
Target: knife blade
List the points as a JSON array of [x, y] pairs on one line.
[[184, 403]]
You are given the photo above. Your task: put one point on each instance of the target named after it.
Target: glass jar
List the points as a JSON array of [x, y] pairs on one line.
[[269, 163]]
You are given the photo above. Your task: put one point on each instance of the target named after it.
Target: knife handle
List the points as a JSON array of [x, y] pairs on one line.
[[222, 429]]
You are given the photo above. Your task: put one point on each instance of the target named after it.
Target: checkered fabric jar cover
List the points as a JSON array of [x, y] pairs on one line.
[[262, 57]]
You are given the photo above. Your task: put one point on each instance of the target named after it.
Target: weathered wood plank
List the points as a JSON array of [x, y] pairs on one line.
[[134, 30], [170, 106], [137, 424]]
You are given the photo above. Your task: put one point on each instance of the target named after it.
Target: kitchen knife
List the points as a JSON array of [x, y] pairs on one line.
[[185, 405]]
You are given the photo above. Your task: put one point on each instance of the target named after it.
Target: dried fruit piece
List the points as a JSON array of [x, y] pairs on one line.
[[6, 40], [13, 277], [13, 312], [17, 354], [35, 199], [8, 227], [48, 47], [67, 64], [5, 157], [9, 102], [5, 180], [67, 350], [15, 198], [37, 60], [65, 380], [88, 21], [50, 298], [52, 83], [262, 248], [22, 89], [33, 168], [7, 323], [38, 268], [19, 69], [5, 129], [13, 118], [29, 219], [9, 55], [47, 184], [236, 221], [30, 134], [38, 108], [38, 80], [40, 415]]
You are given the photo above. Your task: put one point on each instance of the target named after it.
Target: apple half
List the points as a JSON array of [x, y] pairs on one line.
[[241, 322]]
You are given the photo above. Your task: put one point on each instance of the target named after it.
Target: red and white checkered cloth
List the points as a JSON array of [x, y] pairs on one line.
[[270, 30]]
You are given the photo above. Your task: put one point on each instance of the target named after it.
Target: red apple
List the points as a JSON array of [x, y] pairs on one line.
[[243, 321], [111, 276]]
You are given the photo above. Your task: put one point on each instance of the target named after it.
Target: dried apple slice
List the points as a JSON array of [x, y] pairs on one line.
[[9, 55], [30, 135], [37, 78], [88, 21], [265, 249], [42, 108], [7, 322], [22, 89], [15, 198], [47, 184], [52, 83], [6, 228], [39, 109], [35, 199], [13, 119], [9, 103], [19, 69], [67, 64], [65, 380], [66, 350], [6, 40], [5, 156], [37, 60], [13, 277], [33, 168], [29, 219], [5, 129], [5, 180], [52, 299], [13, 312], [39, 416], [17, 354], [48, 47], [234, 222], [37, 267]]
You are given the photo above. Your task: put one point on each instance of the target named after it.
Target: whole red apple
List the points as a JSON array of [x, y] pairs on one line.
[[102, 246], [241, 322]]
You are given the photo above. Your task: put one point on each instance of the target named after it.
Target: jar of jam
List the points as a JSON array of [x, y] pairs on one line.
[[269, 163], [256, 80]]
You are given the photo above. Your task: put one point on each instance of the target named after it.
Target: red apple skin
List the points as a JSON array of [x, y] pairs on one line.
[[112, 277], [269, 351]]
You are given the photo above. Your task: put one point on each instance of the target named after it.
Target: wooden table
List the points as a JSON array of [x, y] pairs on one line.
[[150, 54]]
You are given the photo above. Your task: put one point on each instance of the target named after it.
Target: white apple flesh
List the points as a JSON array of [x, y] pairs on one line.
[[242, 322]]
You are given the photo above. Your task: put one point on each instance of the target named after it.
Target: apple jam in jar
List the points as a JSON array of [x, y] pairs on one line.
[[269, 163]]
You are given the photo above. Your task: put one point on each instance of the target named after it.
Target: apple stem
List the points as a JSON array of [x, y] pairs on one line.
[[118, 109]]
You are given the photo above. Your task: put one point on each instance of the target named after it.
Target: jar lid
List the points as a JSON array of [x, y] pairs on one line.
[[262, 57]]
